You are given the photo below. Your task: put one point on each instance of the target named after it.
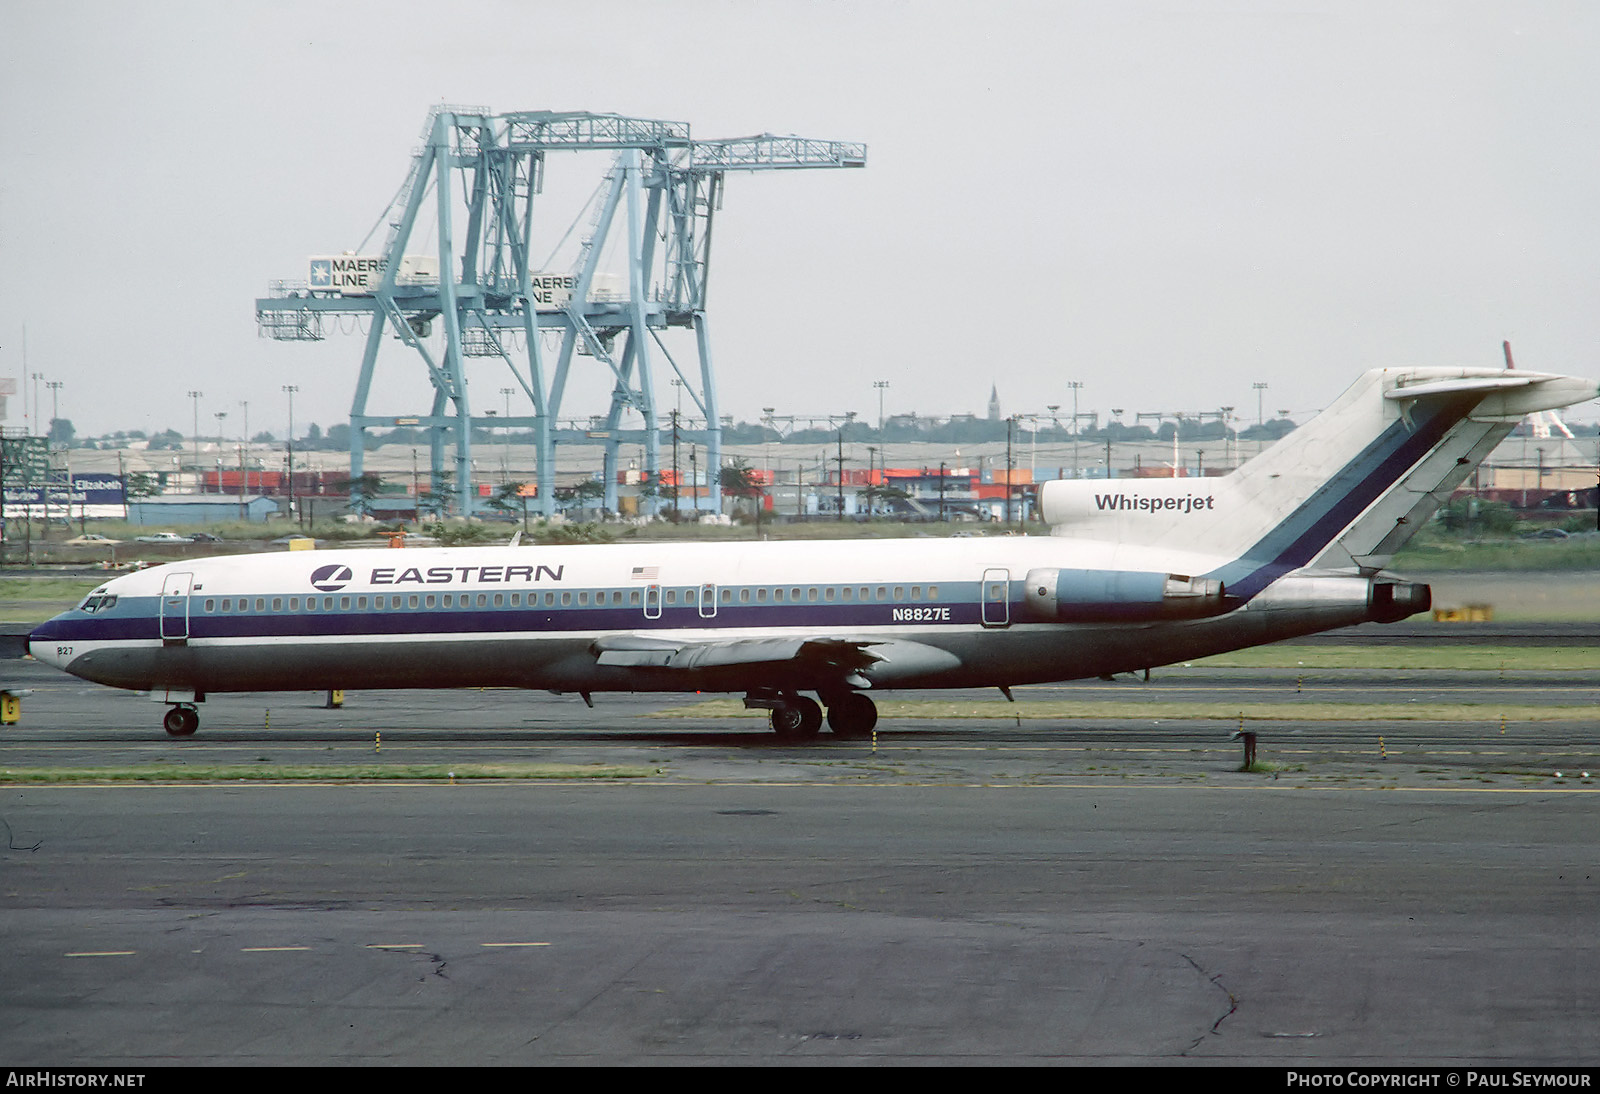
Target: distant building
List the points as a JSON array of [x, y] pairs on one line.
[[994, 403], [199, 509]]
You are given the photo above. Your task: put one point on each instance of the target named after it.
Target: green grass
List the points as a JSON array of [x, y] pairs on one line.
[[1309, 710], [234, 773], [1427, 553], [33, 600], [1443, 656]]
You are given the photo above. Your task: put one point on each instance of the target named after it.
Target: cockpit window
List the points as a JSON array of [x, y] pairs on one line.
[[97, 601]]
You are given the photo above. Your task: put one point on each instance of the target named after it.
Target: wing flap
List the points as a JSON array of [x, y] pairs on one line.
[[859, 662]]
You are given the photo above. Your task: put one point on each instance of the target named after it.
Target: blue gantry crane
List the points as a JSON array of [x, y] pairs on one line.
[[482, 294]]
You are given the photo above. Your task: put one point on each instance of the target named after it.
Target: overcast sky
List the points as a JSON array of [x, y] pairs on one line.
[[1166, 201]]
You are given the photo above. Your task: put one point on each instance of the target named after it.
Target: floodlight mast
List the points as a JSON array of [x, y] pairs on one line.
[[488, 288]]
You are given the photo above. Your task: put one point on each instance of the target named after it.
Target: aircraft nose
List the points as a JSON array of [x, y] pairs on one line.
[[37, 642]]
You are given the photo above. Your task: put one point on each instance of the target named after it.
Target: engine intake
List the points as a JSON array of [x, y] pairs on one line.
[[1105, 596]]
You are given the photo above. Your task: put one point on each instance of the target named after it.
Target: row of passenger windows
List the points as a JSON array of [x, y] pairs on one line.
[[583, 598], [810, 594]]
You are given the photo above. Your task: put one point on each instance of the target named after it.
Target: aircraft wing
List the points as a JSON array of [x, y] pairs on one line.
[[857, 662]]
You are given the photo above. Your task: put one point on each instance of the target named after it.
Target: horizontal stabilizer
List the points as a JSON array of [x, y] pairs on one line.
[[1481, 384]]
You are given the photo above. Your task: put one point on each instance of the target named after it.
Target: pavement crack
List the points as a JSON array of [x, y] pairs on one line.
[[1215, 979]]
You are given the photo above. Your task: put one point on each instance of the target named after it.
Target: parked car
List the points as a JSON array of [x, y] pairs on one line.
[[89, 539], [162, 537], [204, 537]]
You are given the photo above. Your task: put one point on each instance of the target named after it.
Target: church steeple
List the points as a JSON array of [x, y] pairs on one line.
[[994, 403]]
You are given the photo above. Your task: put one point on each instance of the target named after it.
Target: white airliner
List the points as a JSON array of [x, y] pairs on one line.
[[1136, 573]]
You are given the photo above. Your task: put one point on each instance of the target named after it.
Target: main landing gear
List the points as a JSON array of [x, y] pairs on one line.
[[796, 718], [181, 720]]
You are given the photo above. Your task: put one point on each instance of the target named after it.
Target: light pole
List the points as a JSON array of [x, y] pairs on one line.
[[244, 455], [55, 409], [1261, 418], [1076, 386], [195, 397], [219, 415], [505, 439], [55, 415], [677, 484], [882, 386], [289, 390]]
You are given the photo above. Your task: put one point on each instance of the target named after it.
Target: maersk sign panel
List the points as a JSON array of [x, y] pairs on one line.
[[357, 275], [345, 273]]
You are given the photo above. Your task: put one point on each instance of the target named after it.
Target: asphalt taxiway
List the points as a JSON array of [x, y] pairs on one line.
[[1024, 889]]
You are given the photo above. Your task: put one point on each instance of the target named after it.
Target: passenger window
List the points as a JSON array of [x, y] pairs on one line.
[[933, 592], [431, 600], [277, 603], [261, 604], [209, 606], [413, 600], [828, 593], [744, 596], [811, 594], [633, 598], [566, 599], [294, 603], [916, 592], [883, 594], [344, 603], [848, 592], [449, 601], [227, 604], [583, 599], [483, 600], [672, 596], [899, 592], [727, 596], [361, 603], [499, 600]]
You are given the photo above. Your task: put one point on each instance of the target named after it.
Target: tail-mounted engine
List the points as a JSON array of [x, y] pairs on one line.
[[1104, 596]]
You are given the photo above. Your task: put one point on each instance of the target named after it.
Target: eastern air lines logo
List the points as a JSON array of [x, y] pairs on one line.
[[330, 579]]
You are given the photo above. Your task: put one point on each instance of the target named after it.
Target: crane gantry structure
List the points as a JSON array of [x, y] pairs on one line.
[[493, 302]]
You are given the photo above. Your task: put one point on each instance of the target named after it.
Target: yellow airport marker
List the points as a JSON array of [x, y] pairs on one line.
[[102, 953]]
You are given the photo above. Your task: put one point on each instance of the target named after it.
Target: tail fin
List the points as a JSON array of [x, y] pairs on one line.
[[1348, 488]]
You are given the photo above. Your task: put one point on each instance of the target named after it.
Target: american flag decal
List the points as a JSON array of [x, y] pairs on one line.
[[646, 573]]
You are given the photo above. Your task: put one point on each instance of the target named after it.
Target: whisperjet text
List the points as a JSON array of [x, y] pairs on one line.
[[1190, 503]]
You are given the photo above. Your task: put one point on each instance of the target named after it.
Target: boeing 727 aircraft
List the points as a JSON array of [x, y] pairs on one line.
[[1136, 573]]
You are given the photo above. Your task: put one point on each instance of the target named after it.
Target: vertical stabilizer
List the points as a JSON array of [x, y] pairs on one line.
[[1345, 489]]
